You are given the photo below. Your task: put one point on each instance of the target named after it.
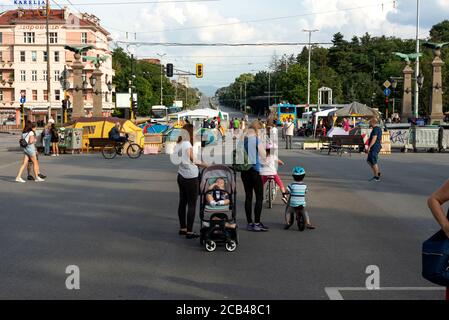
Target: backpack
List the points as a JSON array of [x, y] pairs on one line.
[[240, 167], [435, 259], [22, 142]]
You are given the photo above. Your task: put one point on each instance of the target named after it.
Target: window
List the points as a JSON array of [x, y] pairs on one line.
[[57, 75], [34, 56], [22, 56], [56, 56], [23, 75], [29, 37], [84, 37], [1, 95], [34, 95], [44, 75], [57, 95], [106, 97], [34, 75], [53, 37], [45, 95], [23, 93], [84, 76], [1, 56], [1, 76], [1, 39], [45, 56]]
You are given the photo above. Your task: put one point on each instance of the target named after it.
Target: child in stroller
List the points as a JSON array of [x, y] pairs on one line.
[[218, 209]]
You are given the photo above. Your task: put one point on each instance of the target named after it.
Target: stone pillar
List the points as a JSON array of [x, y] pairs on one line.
[[78, 96], [437, 89], [407, 111], [98, 94]]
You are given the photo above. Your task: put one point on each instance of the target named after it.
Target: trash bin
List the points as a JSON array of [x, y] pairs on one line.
[[70, 139], [443, 139], [425, 137]]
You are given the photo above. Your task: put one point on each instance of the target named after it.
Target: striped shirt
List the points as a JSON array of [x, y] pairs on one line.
[[297, 194]]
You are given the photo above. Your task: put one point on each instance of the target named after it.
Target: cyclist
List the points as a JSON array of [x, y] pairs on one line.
[[116, 136], [269, 170]]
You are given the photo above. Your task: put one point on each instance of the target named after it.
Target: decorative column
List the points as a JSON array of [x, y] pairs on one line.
[[407, 111], [78, 96], [437, 89], [98, 93]]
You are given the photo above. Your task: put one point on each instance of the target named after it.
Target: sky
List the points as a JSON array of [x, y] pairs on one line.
[[248, 21]]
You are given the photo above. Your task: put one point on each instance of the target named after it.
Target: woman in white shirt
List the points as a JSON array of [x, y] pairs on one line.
[[30, 153], [188, 182]]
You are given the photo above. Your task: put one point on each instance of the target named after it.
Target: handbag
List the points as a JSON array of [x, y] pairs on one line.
[[435, 259]]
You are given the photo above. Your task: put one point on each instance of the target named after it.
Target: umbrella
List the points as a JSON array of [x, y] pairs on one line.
[[356, 109]]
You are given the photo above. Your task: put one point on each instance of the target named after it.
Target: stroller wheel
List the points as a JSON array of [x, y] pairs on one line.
[[231, 246], [210, 246]]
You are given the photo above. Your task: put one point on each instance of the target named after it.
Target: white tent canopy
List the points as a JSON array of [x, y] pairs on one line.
[[202, 114]]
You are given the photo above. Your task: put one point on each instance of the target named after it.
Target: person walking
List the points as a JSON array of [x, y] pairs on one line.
[[188, 182], [30, 153], [47, 134], [54, 140], [374, 148], [289, 132], [252, 180]]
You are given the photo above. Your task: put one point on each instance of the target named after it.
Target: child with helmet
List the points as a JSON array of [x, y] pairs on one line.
[[297, 201]]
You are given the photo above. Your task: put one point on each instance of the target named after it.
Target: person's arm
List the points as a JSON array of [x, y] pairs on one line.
[[280, 162], [436, 202], [194, 161], [32, 138], [373, 141]]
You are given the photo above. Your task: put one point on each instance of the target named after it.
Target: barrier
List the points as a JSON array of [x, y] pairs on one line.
[[386, 144], [425, 137], [400, 136], [444, 139], [153, 143]]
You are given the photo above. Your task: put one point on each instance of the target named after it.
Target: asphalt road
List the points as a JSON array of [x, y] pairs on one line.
[[117, 221]]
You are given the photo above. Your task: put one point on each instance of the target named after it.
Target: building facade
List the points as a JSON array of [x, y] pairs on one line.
[[23, 62]]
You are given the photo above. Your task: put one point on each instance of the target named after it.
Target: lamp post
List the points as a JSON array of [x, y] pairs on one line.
[[162, 74], [417, 71], [309, 67]]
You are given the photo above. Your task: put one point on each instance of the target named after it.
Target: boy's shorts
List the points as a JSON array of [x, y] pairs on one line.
[[373, 157]]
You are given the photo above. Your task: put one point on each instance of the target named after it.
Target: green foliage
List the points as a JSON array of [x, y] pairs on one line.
[[355, 70], [147, 83]]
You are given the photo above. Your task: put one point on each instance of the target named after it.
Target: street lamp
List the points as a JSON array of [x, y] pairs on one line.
[[162, 74], [93, 81], [309, 68]]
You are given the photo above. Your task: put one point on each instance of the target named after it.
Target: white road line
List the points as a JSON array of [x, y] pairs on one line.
[[334, 293]]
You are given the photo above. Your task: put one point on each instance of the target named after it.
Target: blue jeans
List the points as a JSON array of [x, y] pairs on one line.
[[47, 144]]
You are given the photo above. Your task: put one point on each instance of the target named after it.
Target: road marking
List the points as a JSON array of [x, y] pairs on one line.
[[334, 293]]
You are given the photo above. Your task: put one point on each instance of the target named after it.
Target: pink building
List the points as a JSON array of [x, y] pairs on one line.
[[23, 61]]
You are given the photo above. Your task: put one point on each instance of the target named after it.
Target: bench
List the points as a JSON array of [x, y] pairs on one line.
[[340, 144], [98, 142]]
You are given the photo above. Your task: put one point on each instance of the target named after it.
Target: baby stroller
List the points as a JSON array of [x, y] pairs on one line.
[[218, 222]]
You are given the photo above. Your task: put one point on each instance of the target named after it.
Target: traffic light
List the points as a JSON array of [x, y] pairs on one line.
[[22, 108], [134, 105], [170, 70], [199, 70]]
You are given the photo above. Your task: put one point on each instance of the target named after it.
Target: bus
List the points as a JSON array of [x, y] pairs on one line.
[[159, 114], [286, 111]]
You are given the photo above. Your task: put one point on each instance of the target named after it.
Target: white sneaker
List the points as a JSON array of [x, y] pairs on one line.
[[20, 180], [39, 179], [53, 155], [57, 155]]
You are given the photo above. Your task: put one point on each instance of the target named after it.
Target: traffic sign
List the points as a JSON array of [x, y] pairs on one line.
[[22, 100], [387, 92], [387, 84]]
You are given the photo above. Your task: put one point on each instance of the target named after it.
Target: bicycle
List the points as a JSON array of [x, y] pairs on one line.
[[111, 150], [298, 214], [271, 191]]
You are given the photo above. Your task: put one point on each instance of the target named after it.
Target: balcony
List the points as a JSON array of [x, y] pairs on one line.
[[6, 65], [6, 84]]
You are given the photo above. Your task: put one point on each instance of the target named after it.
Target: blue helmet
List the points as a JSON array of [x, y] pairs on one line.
[[299, 171]]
